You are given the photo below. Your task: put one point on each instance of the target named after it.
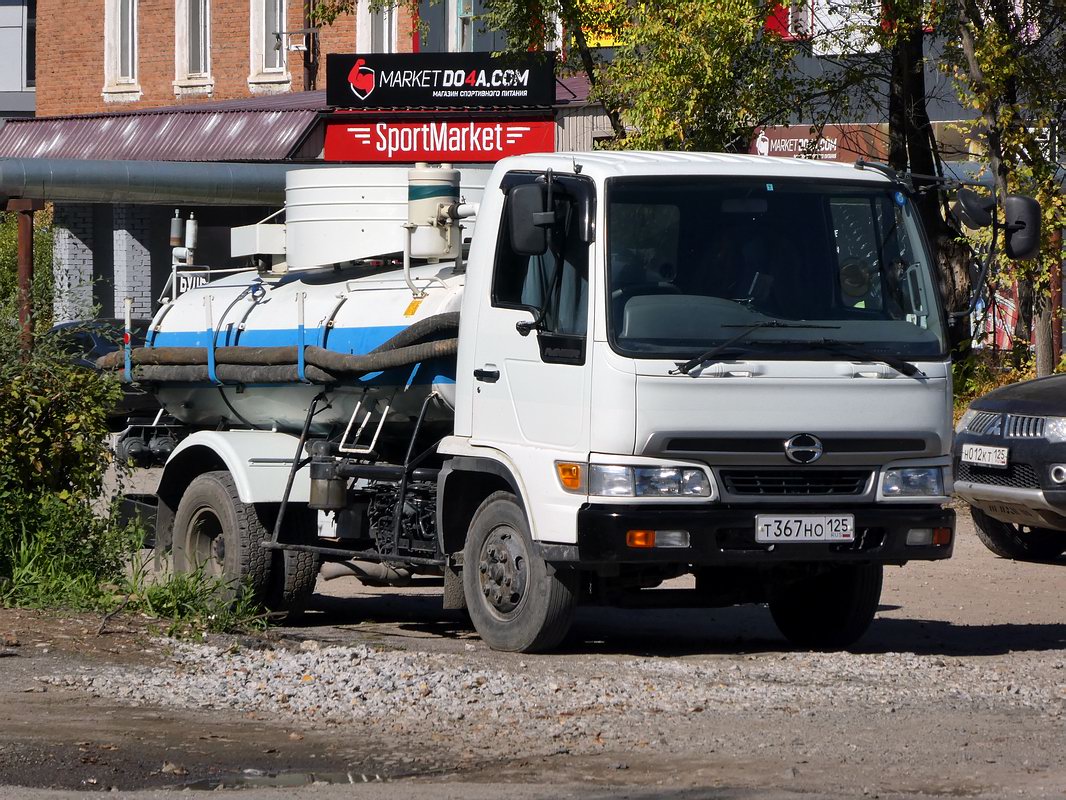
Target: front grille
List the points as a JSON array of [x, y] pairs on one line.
[[984, 422], [1017, 476], [795, 482], [1019, 426], [750, 444]]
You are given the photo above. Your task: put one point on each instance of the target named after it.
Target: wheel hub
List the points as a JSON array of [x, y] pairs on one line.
[[503, 570], [207, 544]]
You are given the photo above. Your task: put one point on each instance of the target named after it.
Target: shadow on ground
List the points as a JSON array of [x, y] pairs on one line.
[[661, 632]]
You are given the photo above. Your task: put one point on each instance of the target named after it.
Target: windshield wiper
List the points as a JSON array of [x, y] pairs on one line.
[[848, 350], [684, 367]]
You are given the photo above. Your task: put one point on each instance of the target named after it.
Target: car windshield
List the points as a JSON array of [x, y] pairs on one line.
[[693, 261]]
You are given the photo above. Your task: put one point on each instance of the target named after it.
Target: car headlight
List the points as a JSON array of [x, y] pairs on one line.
[[913, 482], [1055, 429], [618, 480], [964, 420]]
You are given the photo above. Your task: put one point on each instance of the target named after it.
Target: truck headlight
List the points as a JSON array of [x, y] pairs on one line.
[[913, 482], [619, 480], [609, 480], [1055, 429]]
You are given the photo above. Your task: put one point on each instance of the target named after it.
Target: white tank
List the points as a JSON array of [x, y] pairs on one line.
[[351, 310], [343, 214]]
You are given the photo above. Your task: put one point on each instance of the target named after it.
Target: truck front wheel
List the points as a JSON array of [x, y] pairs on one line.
[[1008, 540], [216, 533], [517, 602], [829, 610]]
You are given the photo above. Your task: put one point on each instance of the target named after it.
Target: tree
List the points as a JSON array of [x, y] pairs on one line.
[[1009, 61], [692, 75], [685, 74]]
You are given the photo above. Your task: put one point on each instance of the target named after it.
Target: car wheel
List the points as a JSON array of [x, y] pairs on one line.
[[829, 610], [1020, 542], [517, 602]]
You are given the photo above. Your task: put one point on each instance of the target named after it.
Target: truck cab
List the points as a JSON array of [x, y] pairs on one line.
[[730, 366]]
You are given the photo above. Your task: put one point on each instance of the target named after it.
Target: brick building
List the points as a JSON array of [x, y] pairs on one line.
[[226, 81]]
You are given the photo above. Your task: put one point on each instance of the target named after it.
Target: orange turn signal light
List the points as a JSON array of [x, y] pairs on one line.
[[570, 476], [640, 538], [941, 536]]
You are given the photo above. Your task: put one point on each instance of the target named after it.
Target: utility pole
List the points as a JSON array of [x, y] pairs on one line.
[[25, 208]]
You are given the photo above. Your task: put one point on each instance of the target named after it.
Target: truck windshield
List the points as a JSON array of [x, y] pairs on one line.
[[691, 261]]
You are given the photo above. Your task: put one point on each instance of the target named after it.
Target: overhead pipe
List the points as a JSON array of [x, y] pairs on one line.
[[146, 182]]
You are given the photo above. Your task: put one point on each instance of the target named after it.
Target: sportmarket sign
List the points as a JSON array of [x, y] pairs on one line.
[[456, 141], [439, 80]]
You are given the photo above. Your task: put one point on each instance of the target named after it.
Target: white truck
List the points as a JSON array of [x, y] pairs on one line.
[[647, 365]]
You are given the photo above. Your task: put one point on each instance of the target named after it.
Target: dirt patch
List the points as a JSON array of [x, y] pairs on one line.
[[957, 690]]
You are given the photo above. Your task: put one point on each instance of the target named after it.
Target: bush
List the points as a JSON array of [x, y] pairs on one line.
[[55, 550], [53, 454], [984, 370]]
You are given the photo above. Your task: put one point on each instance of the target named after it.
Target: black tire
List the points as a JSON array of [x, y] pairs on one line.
[[1019, 542], [294, 573], [217, 533], [498, 557], [829, 610]]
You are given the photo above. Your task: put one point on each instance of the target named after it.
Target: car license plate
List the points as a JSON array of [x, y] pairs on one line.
[[984, 455], [1008, 512], [771, 528]]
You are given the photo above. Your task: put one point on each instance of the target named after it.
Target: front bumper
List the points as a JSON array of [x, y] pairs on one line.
[[726, 535], [1022, 492]]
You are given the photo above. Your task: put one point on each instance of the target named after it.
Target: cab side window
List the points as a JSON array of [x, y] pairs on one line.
[[554, 283]]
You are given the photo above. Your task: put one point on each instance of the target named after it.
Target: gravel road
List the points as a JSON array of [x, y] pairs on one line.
[[959, 689]]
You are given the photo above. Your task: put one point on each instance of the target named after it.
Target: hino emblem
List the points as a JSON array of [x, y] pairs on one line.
[[804, 448]]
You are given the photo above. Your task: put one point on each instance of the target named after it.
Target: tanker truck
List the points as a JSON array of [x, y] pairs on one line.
[[567, 381]]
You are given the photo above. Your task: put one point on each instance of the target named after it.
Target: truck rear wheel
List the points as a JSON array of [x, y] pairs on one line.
[[1019, 542], [517, 602], [217, 533], [294, 572], [831, 609]]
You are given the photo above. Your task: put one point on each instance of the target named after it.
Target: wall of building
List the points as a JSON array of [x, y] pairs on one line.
[[71, 62]]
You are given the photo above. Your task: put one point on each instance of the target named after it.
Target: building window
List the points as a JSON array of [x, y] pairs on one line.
[[269, 44], [192, 47], [464, 26], [375, 29], [273, 44], [30, 47], [120, 51], [127, 59], [198, 34]]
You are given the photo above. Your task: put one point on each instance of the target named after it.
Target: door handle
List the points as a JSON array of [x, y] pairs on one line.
[[487, 375]]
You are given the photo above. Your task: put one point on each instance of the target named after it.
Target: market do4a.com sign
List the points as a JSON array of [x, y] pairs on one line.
[[439, 80]]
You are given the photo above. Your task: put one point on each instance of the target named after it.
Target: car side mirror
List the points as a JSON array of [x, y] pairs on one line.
[[1022, 227], [528, 219]]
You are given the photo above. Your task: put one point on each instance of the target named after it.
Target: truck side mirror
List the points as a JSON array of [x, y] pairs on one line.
[[1022, 227], [528, 219], [973, 210]]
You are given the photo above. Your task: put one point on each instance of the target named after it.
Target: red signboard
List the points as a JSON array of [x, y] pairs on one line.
[[456, 141], [835, 142]]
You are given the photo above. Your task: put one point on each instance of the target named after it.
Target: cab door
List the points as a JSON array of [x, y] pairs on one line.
[[531, 374]]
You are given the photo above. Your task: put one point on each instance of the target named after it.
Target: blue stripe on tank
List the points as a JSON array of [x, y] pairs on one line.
[[342, 340]]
